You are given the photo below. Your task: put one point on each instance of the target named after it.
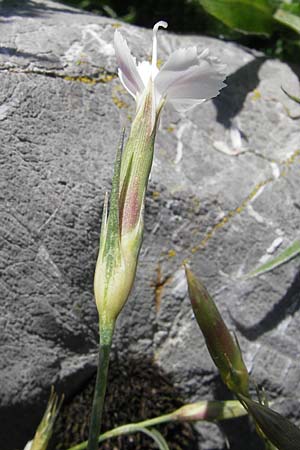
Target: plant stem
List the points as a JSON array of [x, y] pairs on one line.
[[106, 335], [127, 429], [202, 410]]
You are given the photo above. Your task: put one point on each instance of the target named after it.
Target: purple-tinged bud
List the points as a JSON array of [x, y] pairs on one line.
[[210, 411], [123, 222], [222, 347]]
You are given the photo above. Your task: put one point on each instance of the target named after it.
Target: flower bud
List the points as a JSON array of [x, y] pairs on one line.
[[210, 411], [223, 349], [185, 82], [122, 226]]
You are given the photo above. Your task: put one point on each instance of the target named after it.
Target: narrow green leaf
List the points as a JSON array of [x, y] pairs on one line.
[[248, 16], [292, 97], [285, 256], [157, 437], [45, 428], [289, 19], [279, 430]]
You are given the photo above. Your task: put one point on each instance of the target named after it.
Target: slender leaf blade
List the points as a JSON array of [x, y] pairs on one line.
[[279, 430], [285, 256], [292, 97]]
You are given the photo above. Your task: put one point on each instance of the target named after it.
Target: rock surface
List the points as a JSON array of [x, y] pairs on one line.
[[215, 199]]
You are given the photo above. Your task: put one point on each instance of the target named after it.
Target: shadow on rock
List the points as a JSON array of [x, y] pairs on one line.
[[296, 69], [288, 305], [231, 100], [10, 51]]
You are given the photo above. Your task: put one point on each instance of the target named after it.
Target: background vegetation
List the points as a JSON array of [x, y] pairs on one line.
[[272, 26]]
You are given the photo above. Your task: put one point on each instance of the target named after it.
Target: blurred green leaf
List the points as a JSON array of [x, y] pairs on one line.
[[249, 22], [289, 19], [293, 6], [248, 16], [285, 256], [279, 430]]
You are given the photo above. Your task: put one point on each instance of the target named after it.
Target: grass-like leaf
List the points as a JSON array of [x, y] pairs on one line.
[[279, 430], [285, 256], [45, 428], [292, 97]]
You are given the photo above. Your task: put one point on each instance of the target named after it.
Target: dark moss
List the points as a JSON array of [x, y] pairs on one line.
[[137, 390]]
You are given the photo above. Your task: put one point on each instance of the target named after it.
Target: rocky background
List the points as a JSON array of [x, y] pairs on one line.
[[224, 194]]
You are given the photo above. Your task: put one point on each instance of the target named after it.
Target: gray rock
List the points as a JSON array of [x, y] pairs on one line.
[[61, 108]]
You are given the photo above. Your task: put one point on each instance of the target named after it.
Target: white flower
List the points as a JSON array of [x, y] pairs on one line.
[[185, 80]]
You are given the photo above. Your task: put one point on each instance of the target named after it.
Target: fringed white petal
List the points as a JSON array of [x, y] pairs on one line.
[[185, 80], [181, 59], [128, 72], [185, 104], [197, 82], [186, 86]]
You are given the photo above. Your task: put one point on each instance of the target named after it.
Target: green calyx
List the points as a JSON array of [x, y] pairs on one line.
[[122, 223]]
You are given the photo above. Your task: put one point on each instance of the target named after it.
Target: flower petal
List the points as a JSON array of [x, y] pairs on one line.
[[128, 72], [198, 82], [186, 86], [181, 59], [145, 70], [185, 104]]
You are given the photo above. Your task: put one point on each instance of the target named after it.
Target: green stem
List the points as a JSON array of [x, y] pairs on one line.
[[127, 429], [106, 335], [202, 410]]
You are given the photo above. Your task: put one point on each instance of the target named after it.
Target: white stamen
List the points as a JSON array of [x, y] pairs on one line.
[[163, 24]]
